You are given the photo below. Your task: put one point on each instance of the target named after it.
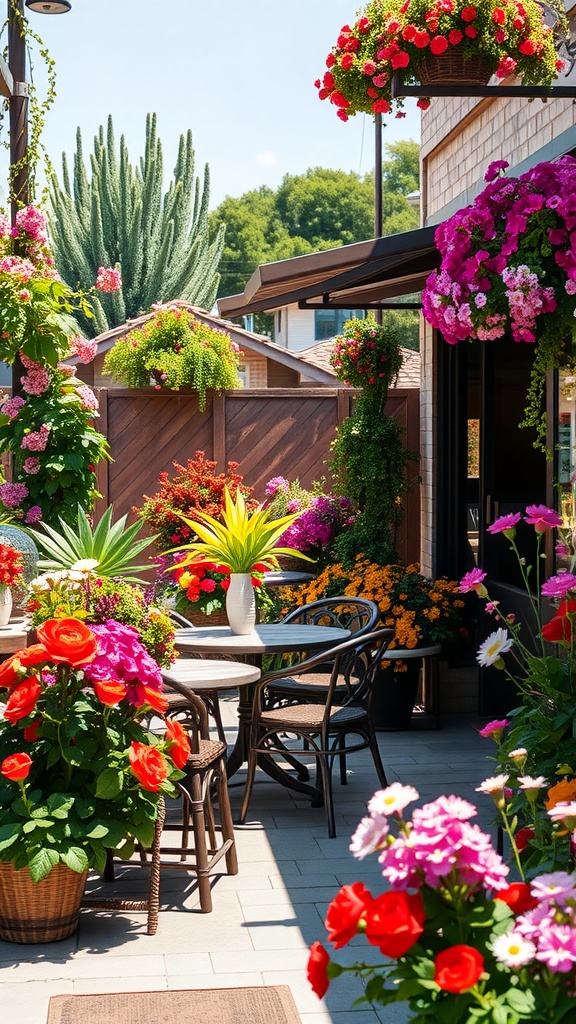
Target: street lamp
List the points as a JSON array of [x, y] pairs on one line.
[[17, 91]]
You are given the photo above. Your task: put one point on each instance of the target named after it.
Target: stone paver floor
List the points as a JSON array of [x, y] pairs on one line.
[[264, 918]]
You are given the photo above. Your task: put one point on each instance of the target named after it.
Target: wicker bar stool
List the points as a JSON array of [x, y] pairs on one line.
[[205, 781]]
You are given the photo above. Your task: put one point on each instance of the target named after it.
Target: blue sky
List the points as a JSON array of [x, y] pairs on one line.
[[240, 75]]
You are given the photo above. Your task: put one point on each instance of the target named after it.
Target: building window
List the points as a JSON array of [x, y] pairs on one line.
[[329, 322], [244, 374]]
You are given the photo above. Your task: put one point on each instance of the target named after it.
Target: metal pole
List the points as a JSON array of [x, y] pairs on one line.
[[378, 214], [19, 178]]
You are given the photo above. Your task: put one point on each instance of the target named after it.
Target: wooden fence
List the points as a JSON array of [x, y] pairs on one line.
[[271, 432]]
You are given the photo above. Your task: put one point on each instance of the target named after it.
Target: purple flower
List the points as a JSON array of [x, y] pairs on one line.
[[559, 586], [493, 169], [277, 483], [542, 517], [505, 523], [122, 658], [473, 580]]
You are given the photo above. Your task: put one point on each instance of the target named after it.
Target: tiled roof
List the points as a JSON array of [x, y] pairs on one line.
[[319, 355]]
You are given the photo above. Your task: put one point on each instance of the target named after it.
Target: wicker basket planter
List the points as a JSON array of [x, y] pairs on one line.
[[43, 911], [451, 68]]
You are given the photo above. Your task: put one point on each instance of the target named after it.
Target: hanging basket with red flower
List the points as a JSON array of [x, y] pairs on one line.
[[428, 41]]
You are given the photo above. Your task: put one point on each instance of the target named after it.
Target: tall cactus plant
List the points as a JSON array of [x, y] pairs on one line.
[[118, 213]]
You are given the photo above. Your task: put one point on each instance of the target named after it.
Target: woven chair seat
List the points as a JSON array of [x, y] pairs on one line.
[[310, 716], [210, 752]]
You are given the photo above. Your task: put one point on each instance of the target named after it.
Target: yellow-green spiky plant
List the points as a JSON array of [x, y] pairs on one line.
[[243, 540]]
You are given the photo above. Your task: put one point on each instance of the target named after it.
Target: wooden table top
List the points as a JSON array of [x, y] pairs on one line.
[[13, 637], [202, 674], [268, 638]]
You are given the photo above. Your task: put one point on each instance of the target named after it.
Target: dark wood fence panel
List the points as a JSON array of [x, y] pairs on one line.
[[277, 432]]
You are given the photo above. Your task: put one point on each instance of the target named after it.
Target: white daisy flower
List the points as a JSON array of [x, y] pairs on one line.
[[495, 784], [494, 647], [513, 949], [529, 782], [393, 799]]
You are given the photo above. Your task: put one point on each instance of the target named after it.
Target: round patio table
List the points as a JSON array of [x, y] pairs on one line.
[[286, 578], [268, 638]]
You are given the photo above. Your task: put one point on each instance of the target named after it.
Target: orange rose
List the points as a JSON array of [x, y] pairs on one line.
[[180, 744], [33, 655], [68, 640], [16, 767], [22, 700], [109, 692], [563, 791], [155, 700], [149, 765]]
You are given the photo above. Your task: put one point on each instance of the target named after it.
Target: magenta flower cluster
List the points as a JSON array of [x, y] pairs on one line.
[[122, 658], [509, 260], [318, 525], [550, 927]]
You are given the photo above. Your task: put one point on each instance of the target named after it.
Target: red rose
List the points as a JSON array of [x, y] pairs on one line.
[[109, 692], [438, 45], [468, 13], [372, 93], [343, 117], [527, 47], [498, 16], [347, 61], [339, 100], [458, 968], [149, 765], [455, 36], [16, 767], [330, 60], [177, 736], [344, 913], [68, 641], [523, 837], [518, 897], [500, 35], [408, 33], [394, 922], [400, 60], [22, 700], [423, 103], [471, 32], [381, 107], [560, 627], [31, 731], [421, 39], [316, 971]]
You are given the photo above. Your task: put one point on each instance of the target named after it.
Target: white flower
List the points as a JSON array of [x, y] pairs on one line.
[[513, 949], [369, 836], [85, 564], [494, 647], [393, 799], [562, 810], [518, 754], [528, 782], [493, 785]]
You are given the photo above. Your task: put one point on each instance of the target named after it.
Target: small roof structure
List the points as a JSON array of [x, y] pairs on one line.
[[247, 340], [358, 276], [319, 355]]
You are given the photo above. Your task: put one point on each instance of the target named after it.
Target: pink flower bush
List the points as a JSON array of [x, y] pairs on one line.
[[108, 280], [123, 659], [84, 348], [13, 494], [36, 440]]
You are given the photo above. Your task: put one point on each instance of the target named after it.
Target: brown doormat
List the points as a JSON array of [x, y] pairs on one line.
[[267, 1004]]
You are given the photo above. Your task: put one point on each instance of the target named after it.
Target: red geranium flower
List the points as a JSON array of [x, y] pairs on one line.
[[394, 922], [458, 968], [316, 971], [517, 896], [344, 913]]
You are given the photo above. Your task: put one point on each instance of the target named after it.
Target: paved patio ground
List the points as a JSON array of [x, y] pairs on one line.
[[264, 918]]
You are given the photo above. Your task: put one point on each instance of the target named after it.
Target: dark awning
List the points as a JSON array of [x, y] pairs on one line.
[[353, 276]]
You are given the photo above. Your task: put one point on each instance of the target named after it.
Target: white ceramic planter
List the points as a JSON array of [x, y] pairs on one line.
[[241, 603], [5, 605]]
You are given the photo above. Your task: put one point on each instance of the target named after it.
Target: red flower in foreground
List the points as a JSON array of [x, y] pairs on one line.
[[518, 897], [523, 837], [149, 766], [68, 640], [317, 968], [344, 913], [458, 968], [560, 627], [180, 744], [394, 922], [16, 767], [22, 700]]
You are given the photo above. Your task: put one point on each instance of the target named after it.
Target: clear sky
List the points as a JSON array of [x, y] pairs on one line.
[[240, 75]]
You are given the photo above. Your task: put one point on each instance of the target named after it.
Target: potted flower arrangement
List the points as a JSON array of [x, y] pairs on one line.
[[435, 40], [459, 943], [80, 774], [193, 487], [508, 269], [11, 575], [49, 428], [175, 349], [369, 458], [246, 542], [324, 517]]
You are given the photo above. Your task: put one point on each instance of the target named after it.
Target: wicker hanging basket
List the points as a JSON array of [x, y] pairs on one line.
[[452, 68], [43, 911]]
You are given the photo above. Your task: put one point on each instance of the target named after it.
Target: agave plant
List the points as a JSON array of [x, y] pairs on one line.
[[243, 541], [110, 548]]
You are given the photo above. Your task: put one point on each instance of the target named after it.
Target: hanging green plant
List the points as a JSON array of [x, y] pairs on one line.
[[173, 349]]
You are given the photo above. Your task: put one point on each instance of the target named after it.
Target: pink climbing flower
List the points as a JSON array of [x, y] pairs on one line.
[[108, 279], [84, 348], [36, 440], [33, 222]]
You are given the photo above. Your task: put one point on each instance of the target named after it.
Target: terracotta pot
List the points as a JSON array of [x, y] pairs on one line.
[[43, 911]]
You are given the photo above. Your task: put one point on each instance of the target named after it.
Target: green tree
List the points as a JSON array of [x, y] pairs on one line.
[[119, 214], [401, 173]]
